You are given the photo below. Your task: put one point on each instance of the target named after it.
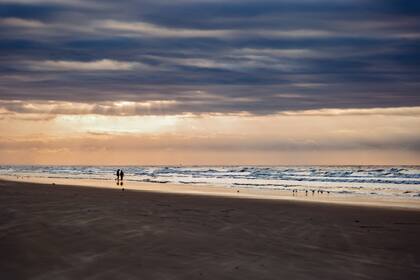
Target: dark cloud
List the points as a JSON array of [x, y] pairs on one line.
[[211, 56]]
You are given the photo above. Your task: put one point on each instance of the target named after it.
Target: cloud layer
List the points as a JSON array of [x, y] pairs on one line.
[[211, 56], [252, 140]]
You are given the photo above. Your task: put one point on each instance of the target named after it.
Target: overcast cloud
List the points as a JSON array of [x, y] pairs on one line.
[[260, 57]]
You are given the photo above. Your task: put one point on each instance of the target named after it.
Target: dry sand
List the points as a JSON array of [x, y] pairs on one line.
[[69, 232]]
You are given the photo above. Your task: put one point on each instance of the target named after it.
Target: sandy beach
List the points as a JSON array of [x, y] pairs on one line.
[[68, 232]]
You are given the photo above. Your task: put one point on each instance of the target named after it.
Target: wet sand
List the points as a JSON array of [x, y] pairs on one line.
[[68, 232], [237, 192]]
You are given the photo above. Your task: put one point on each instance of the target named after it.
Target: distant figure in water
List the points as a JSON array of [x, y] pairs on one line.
[[121, 175], [306, 192]]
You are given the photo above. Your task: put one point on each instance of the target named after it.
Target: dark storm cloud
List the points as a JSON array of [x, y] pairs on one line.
[[212, 56]]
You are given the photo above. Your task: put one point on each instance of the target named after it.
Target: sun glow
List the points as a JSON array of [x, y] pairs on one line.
[[127, 132], [120, 124]]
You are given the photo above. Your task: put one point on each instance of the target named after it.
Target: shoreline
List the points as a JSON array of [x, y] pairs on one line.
[[61, 232], [235, 192]]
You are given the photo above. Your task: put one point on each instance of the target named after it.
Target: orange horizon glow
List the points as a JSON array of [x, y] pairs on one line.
[[76, 133]]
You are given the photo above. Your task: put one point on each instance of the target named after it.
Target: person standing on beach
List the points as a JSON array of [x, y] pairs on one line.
[[118, 174], [121, 175]]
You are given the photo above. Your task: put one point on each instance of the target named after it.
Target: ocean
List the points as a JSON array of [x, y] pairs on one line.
[[372, 181]]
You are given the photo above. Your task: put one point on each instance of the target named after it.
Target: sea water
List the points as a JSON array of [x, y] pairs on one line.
[[371, 181]]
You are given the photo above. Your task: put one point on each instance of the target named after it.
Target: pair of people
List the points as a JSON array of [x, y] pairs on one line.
[[120, 177]]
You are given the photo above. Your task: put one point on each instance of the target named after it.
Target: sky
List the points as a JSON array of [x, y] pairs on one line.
[[196, 82]]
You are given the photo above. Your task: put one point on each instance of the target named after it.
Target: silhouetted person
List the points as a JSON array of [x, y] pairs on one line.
[[118, 176], [121, 175], [306, 192]]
